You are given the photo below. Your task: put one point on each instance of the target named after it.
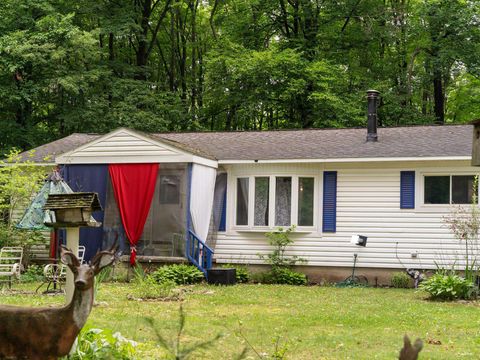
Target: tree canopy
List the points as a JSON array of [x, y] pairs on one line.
[[173, 65]]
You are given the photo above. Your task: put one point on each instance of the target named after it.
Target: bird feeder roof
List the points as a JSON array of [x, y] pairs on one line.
[[73, 201]]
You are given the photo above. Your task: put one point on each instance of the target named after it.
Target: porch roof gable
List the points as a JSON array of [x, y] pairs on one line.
[[130, 146]]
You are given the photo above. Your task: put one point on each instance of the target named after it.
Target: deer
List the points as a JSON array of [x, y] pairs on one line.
[[49, 332]]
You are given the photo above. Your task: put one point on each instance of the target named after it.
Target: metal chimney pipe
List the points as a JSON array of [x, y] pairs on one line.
[[372, 97]]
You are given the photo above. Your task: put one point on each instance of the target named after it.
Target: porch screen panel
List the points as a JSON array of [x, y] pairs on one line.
[[283, 201], [89, 178], [164, 230], [201, 198]]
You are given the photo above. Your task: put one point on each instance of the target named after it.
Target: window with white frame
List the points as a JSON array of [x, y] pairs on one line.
[[449, 189], [271, 201]]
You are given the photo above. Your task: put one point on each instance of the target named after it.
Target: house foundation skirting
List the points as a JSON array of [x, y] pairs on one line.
[[324, 275]]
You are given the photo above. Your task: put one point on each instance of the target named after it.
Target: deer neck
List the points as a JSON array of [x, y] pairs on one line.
[[81, 305]]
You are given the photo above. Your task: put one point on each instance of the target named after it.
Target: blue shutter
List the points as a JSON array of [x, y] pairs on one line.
[[407, 189], [329, 201]]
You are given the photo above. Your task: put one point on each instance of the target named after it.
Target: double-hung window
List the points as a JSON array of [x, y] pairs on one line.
[[449, 189], [272, 201]]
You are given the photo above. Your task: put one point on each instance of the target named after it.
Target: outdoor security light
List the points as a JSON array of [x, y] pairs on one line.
[[359, 240]]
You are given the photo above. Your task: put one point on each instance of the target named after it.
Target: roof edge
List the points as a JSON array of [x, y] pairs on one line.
[[346, 160]]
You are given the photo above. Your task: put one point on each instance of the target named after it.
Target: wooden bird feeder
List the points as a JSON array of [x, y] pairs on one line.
[[72, 210]]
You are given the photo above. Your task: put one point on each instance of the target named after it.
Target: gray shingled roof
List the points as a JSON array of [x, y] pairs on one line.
[[46, 153], [395, 142]]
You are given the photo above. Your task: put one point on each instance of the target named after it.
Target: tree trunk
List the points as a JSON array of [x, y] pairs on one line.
[[438, 98], [141, 58]]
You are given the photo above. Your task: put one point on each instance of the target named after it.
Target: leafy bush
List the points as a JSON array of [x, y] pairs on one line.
[[284, 276], [400, 280], [280, 239], [102, 344], [242, 274], [32, 273], [180, 274], [149, 288], [449, 286]]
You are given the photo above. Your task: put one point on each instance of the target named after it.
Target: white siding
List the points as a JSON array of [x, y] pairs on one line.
[[368, 203]]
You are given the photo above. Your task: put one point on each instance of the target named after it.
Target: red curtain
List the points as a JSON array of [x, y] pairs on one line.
[[133, 185]]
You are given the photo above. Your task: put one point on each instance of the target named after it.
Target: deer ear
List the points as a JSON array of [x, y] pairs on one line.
[[102, 260], [69, 258]]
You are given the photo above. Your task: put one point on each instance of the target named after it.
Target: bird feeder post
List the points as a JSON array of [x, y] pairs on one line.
[[73, 239]]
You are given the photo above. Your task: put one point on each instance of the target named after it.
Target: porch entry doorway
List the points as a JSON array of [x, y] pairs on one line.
[[164, 231]]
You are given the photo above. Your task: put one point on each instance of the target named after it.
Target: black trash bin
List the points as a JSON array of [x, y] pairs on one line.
[[222, 276]]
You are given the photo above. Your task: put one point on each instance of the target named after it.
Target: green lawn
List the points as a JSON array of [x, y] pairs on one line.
[[317, 322]]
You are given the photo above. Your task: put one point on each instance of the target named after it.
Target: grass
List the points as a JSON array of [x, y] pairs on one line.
[[315, 322]]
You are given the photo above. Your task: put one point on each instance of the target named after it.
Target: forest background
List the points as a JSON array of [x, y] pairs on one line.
[[177, 65]]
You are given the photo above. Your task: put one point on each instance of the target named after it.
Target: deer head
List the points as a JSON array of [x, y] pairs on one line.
[[84, 273]]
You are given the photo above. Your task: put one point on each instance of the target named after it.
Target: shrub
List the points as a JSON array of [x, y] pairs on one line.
[[242, 274], [449, 286], [400, 280], [102, 344], [149, 288], [32, 273], [180, 274], [284, 276], [280, 239]]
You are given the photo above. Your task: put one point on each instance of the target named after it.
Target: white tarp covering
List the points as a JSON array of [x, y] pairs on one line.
[[201, 198]]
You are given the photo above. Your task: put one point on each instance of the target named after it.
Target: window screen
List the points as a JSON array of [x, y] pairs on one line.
[[262, 191], [305, 201], [242, 201], [283, 201], [437, 189], [463, 189]]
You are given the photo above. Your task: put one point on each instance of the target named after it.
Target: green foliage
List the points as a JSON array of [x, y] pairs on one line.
[[149, 288], [285, 276], [278, 351], [101, 277], [215, 65], [176, 349], [449, 286], [93, 344], [20, 179], [400, 280], [280, 240], [32, 273], [242, 273], [281, 272], [180, 274]]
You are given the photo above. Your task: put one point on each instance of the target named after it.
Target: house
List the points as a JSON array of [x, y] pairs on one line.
[[393, 185]]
